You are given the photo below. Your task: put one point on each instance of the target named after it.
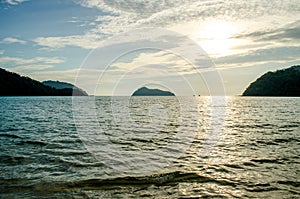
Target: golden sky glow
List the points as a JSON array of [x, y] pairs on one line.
[[215, 37]]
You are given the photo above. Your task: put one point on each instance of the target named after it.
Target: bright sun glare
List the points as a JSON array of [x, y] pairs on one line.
[[215, 37]]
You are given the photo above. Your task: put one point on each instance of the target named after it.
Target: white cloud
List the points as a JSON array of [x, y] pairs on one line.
[[11, 40], [34, 67], [88, 41], [31, 66], [154, 62], [14, 2], [2, 52], [263, 55], [158, 12], [16, 61], [62, 75]]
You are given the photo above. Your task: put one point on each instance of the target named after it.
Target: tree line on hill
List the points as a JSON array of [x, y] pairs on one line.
[[12, 84]]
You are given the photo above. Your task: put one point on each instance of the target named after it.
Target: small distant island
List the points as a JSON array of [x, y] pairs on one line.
[[12, 84], [144, 91], [284, 82]]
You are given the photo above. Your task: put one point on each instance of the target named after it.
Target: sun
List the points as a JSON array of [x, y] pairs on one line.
[[215, 37], [216, 30]]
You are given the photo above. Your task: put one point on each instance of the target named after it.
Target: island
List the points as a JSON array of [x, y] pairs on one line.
[[284, 82], [144, 91], [12, 84], [64, 85]]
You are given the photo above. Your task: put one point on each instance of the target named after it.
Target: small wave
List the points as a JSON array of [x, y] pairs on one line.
[[142, 140], [288, 182], [78, 163], [289, 126], [33, 142], [65, 152], [143, 181], [72, 141], [285, 130], [266, 142], [97, 164], [162, 179], [262, 187], [249, 164], [10, 135], [285, 140], [268, 161], [247, 126], [266, 125], [14, 160], [235, 166], [277, 141]]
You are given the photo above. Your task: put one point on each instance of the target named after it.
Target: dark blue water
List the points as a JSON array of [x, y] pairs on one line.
[[157, 147]]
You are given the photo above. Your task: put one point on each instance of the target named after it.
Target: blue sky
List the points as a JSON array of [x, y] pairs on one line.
[[53, 39]]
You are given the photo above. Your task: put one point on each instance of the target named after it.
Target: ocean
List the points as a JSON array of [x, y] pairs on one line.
[[149, 147]]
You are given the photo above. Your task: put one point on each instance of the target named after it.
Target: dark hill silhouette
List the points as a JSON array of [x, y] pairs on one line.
[[12, 84], [284, 82], [58, 84], [144, 91], [64, 85]]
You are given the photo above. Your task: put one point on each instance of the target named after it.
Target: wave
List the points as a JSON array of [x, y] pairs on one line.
[[286, 140], [33, 142], [10, 136], [164, 179], [160, 179], [270, 161], [273, 186], [289, 126], [15, 160], [276, 141]]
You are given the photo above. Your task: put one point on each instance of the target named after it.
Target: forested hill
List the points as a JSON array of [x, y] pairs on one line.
[[12, 84], [64, 85], [284, 82]]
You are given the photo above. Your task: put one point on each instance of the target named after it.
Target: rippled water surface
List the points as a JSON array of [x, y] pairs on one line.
[[155, 147]]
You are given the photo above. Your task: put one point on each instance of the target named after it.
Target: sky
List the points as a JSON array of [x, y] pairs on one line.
[[112, 47]]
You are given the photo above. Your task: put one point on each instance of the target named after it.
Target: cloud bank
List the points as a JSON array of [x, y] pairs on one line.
[[124, 15], [11, 40]]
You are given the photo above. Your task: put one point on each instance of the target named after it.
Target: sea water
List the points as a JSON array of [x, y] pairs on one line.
[[149, 147]]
